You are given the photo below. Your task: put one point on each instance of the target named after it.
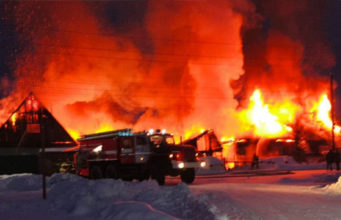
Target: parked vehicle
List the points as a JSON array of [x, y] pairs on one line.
[[127, 155]]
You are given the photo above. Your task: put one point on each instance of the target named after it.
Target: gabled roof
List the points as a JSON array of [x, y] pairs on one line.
[[30, 125]]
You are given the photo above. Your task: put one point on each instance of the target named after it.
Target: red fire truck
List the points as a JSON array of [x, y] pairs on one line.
[[127, 155]]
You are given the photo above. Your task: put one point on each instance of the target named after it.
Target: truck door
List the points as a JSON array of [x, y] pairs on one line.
[[142, 149], [127, 150]]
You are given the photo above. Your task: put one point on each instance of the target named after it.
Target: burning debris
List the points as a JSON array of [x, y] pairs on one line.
[[205, 143]]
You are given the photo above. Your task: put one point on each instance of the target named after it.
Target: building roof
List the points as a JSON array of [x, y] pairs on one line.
[[30, 127]]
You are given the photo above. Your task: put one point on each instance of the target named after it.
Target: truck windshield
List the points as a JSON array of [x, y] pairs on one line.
[[169, 139], [158, 139]]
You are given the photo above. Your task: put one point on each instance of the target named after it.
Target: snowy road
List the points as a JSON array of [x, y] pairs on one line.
[[312, 194], [296, 196]]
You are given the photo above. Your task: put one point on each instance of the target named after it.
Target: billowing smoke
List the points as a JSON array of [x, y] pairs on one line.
[[180, 65], [286, 54], [141, 64]]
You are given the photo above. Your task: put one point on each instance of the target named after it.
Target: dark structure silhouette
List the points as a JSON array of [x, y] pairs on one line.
[[329, 160], [25, 132]]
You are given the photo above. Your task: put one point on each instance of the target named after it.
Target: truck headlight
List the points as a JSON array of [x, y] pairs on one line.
[[181, 165], [203, 164]]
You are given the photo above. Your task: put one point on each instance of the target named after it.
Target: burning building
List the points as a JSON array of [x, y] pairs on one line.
[[243, 68], [29, 129], [205, 143]]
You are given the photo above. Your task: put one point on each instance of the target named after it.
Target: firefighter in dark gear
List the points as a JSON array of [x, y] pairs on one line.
[[329, 160], [337, 159], [255, 162]]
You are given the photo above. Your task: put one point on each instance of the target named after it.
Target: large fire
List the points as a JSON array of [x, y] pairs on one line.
[[185, 71], [278, 119], [322, 110], [270, 121]]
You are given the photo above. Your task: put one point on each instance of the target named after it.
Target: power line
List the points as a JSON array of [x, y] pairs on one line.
[[137, 59], [132, 51]]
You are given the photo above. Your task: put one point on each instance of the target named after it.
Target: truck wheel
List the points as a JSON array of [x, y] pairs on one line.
[[111, 172], [187, 175], [96, 172]]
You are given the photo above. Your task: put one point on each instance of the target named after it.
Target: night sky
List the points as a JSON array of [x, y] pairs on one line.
[[127, 15]]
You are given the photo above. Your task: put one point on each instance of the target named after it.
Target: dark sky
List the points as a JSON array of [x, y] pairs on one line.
[[333, 30], [129, 14], [333, 24]]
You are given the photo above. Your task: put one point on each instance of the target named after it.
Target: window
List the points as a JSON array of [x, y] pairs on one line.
[[127, 143], [169, 140], [156, 139], [141, 140]]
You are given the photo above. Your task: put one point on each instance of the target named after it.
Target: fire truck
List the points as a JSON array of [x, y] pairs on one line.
[[141, 155]]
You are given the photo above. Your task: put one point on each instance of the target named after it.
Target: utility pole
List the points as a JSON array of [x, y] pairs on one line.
[[332, 108], [42, 153]]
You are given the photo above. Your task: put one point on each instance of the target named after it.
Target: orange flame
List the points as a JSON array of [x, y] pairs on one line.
[[267, 121], [104, 128], [74, 134], [322, 110], [14, 118], [182, 85], [193, 130]]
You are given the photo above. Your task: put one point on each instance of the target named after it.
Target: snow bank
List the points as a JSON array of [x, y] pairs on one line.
[[322, 178], [102, 199], [334, 187], [20, 182], [284, 163], [288, 163], [213, 166]]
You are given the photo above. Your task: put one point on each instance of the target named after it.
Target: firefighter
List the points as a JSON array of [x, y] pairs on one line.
[[255, 161], [159, 160], [329, 160], [337, 159]]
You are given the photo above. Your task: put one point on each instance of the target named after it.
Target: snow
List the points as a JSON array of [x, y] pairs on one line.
[[334, 188], [213, 166], [304, 192], [78, 198], [285, 163]]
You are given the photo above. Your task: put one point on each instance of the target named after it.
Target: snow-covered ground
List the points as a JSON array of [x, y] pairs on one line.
[[303, 194], [73, 197]]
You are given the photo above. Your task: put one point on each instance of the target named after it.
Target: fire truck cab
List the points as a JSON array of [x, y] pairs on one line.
[[172, 159], [141, 155]]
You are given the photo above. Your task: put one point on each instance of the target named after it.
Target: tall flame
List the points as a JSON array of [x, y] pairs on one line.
[[277, 119], [264, 121], [322, 110]]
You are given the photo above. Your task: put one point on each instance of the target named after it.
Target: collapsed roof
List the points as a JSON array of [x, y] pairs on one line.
[[206, 142]]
